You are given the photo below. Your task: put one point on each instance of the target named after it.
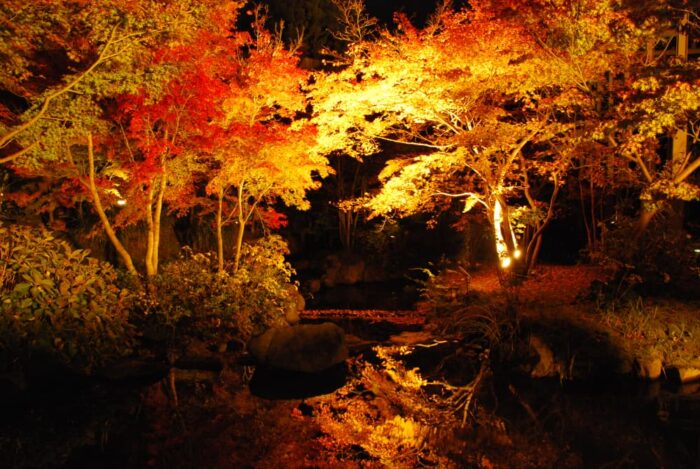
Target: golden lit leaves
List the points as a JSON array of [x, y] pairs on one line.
[[412, 185], [667, 189]]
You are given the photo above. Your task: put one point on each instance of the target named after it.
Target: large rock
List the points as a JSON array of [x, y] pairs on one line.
[[546, 364], [309, 348], [684, 374], [649, 367]]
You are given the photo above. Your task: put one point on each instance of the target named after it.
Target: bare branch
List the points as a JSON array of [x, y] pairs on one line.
[[357, 25], [416, 144]]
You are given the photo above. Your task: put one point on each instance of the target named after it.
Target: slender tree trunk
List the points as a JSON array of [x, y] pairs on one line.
[[241, 228], [219, 231], [150, 270], [155, 255], [594, 231], [533, 247], [507, 228], [346, 223], [118, 246], [587, 226], [647, 212], [532, 258]]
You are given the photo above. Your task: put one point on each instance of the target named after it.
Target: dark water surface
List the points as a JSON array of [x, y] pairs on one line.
[[609, 423]]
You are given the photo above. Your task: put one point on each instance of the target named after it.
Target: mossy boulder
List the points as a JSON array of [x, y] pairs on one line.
[[308, 348]]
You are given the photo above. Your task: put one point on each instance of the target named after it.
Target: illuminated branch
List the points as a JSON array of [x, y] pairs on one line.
[[5, 139], [690, 169], [580, 82], [515, 152], [416, 144], [463, 194], [17, 154], [645, 170], [357, 24]]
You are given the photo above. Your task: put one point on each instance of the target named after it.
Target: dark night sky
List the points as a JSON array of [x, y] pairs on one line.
[[315, 17], [417, 10]]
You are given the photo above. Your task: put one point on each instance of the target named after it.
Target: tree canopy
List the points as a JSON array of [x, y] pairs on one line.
[[141, 106], [500, 97]]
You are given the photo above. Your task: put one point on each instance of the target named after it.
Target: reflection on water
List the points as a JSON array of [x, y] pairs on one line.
[[610, 424]]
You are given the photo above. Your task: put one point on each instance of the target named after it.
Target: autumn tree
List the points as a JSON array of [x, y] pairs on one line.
[[63, 57], [101, 53], [509, 98], [311, 22], [592, 44], [634, 90], [167, 136], [474, 91], [266, 151], [662, 98]]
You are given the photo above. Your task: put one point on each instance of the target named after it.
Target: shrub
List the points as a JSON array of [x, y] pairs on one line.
[[659, 261], [446, 292], [454, 310], [190, 300], [60, 301]]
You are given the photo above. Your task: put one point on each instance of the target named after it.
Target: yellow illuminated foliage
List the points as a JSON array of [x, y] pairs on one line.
[[487, 100], [447, 91]]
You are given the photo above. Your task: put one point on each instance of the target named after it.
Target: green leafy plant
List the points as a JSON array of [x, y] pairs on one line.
[[60, 301], [446, 292], [191, 301]]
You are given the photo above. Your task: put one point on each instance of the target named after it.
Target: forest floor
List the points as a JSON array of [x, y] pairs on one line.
[[648, 328]]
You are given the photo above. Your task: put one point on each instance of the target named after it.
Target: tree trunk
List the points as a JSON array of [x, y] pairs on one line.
[[155, 255], [532, 250], [150, 270], [532, 258], [589, 229], [347, 222], [594, 222], [241, 228], [118, 246], [219, 233], [647, 212]]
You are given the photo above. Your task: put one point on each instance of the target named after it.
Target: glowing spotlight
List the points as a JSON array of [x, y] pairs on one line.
[[121, 202], [505, 262], [517, 254]]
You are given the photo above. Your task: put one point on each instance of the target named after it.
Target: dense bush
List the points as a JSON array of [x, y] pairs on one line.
[[190, 300], [58, 301], [659, 261]]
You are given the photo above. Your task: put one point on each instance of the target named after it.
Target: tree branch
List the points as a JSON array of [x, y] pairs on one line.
[[14, 156], [426, 145], [690, 169], [5, 139], [101, 212], [645, 170]]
